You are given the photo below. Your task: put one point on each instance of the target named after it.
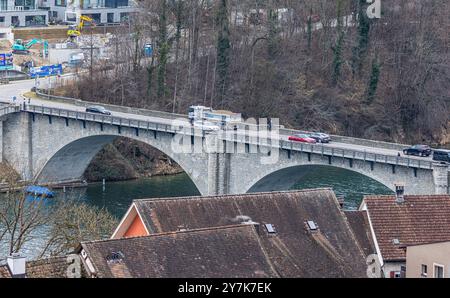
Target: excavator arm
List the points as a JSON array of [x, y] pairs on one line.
[[79, 28]]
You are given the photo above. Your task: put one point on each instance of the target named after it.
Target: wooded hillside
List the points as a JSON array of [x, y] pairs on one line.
[[315, 64]]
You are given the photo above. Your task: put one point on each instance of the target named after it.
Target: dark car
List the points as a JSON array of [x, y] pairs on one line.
[[441, 155], [320, 137], [98, 110], [419, 150]]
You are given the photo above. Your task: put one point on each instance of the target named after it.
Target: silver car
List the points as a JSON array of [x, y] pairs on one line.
[[97, 110]]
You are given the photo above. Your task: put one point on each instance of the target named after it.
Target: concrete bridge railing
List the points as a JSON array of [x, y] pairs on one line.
[[113, 108], [166, 115], [281, 144], [356, 141], [4, 110]]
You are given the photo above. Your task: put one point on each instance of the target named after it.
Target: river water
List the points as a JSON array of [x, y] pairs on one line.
[[116, 197]]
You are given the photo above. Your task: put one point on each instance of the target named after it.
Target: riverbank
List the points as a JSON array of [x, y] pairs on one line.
[[127, 159]]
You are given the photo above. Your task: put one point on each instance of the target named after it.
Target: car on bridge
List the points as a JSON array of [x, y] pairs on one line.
[[320, 137], [419, 150], [441, 155], [302, 138], [97, 110]]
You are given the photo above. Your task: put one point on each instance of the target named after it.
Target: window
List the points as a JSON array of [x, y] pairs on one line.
[[35, 20], [270, 228], [116, 3], [438, 271], [60, 3], [424, 271], [110, 17], [3, 5]]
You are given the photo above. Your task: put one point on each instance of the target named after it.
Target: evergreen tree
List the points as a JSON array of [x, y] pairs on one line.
[[163, 49], [338, 60], [373, 81], [273, 36], [309, 29], [363, 38], [223, 49]]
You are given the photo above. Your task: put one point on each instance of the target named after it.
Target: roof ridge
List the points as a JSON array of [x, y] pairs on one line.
[[235, 195], [173, 233], [408, 196]]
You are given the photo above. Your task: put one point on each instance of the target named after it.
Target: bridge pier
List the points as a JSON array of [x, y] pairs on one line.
[[441, 178], [218, 167], [17, 144]]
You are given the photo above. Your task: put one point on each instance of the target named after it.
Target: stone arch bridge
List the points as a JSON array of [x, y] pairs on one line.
[[51, 145]]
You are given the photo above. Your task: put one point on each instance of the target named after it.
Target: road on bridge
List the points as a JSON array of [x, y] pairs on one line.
[[18, 88]]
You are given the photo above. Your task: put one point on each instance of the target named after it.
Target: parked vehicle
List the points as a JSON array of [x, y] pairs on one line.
[[206, 125], [198, 113], [320, 137], [97, 110], [302, 138], [441, 155], [419, 150]]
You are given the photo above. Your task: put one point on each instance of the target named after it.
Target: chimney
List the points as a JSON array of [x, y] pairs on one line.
[[399, 193], [16, 265]]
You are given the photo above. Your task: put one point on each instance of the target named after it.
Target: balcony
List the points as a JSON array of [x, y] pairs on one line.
[[19, 8]]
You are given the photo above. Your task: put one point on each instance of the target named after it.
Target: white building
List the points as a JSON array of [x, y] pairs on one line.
[[102, 11], [22, 13]]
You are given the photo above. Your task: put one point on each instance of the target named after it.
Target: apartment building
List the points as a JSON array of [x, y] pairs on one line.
[[101, 11], [23, 13], [20, 13]]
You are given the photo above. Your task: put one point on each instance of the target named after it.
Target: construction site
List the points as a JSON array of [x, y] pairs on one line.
[[30, 52]]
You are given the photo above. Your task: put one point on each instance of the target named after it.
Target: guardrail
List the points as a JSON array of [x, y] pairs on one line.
[[113, 108], [287, 145], [8, 110], [105, 119], [354, 141], [326, 150], [166, 115]]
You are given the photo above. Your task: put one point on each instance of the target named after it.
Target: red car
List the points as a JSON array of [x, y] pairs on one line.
[[303, 138]]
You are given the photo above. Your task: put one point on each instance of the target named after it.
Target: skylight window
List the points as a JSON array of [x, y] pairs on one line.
[[270, 228], [115, 257], [312, 225]]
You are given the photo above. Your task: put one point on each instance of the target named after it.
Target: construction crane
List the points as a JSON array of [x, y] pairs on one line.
[[19, 47], [75, 31]]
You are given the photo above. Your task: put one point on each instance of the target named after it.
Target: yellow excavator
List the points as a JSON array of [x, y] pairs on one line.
[[75, 31]]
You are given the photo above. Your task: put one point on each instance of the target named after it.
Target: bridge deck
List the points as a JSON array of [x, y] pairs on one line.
[[184, 128]]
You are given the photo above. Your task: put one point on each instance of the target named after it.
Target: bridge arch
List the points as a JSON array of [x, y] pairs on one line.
[[68, 161], [285, 177]]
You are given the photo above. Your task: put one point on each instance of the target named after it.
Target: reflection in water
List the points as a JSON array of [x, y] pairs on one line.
[[117, 196], [349, 185]]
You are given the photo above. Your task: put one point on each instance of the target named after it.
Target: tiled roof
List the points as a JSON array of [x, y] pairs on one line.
[[360, 225], [45, 268], [420, 219], [232, 251], [294, 251]]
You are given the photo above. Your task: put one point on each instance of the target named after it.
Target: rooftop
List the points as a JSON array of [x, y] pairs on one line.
[[44, 268], [232, 251], [295, 250], [419, 220]]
